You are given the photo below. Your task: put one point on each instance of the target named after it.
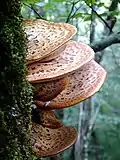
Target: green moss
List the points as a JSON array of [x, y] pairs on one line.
[[15, 91]]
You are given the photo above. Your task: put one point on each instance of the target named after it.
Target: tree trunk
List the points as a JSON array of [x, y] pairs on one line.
[[15, 91], [82, 144]]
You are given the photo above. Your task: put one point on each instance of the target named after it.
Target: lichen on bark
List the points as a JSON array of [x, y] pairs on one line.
[[15, 91]]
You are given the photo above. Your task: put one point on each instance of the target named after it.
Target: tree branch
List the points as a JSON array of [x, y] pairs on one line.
[[77, 9], [72, 8], [107, 25], [108, 41], [71, 11], [31, 7]]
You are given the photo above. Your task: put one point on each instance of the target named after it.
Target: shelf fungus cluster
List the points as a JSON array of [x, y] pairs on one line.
[[63, 73]]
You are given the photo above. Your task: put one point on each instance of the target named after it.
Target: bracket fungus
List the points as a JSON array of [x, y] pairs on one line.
[[45, 118], [54, 54], [46, 91], [63, 73], [49, 136], [48, 142], [44, 37], [83, 83], [75, 55]]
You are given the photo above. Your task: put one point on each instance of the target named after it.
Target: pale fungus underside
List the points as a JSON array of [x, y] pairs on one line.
[[63, 74]]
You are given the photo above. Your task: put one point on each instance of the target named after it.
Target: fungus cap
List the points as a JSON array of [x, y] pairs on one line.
[[54, 54], [85, 82], [46, 91], [73, 57], [45, 118], [44, 37], [48, 142]]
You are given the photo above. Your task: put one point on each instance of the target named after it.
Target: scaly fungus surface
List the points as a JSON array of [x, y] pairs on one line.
[[75, 55], [85, 82], [46, 91], [48, 142], [63, 73], [44, 37], [45, 118]]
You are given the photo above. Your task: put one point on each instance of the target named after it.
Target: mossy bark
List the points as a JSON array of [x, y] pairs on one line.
[[15, 91]]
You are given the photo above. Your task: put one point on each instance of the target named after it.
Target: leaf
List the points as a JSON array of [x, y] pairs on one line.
[[103, 14], [59, 0], [48, 5], [87, 18], [115, 13], [80, 15], [31, 1], [77, 15], [91, 1], [101, 4]]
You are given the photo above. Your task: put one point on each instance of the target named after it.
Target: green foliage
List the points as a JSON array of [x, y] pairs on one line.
[[100, 4], [59, 0], [31, 1]]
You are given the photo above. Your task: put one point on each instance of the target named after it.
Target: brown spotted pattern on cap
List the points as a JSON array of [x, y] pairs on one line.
[[46, 91], [83, 83], [48, 142], [54, 54], [48, 119], [45, 37], [74, 56]]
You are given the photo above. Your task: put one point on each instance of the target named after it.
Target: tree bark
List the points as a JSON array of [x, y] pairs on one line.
[[106, 42], [15, 91]]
